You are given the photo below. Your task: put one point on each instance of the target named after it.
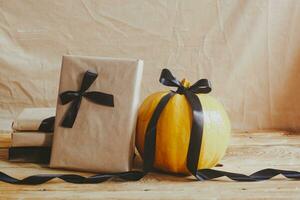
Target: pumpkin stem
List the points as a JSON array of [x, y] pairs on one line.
[[185, 83]]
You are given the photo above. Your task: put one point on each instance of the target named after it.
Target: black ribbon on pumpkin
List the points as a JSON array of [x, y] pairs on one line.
[[201, 86], [47, 125], [75, 97]]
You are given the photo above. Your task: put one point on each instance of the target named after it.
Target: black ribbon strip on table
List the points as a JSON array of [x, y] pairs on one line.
[[76, 96], [72, 178], [202, 86], [204, 174], [47, 125]]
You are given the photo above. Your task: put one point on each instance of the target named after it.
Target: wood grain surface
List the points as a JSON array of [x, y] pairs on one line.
[[247, 153]]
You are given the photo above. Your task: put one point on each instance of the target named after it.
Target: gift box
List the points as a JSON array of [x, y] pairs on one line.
[[31, 139], [30, 147], [32, 119], [33, 128], [96, 114]]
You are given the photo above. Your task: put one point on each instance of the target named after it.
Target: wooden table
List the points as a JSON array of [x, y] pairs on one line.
[[247, 153]]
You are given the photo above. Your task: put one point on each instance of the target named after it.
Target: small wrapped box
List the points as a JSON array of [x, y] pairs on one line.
[[31, 139], [96, 114], [33, 128], [32, 119]]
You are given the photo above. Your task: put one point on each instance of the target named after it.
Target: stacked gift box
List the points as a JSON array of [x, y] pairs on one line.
[[96, 111], [32, 135]]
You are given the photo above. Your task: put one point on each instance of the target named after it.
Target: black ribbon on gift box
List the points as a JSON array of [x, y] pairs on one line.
[[166, 78], [75, 97], [47, 125]]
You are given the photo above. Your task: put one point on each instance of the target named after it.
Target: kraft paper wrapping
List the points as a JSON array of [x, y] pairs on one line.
[[31, 139], [30, 118], [248, 49], [102, 137]]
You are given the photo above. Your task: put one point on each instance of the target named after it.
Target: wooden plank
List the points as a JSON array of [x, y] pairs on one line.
[[265, 138], [246, 154], [3, 155], [232, 194], [263, 155], [172, 189], [5, 140]]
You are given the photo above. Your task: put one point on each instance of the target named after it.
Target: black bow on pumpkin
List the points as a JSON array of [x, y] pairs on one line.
[[76, 96], [201, 86]]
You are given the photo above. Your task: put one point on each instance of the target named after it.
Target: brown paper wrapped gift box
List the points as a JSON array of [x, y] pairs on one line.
[[31, 138], [102, 137], [30, 119], [27, 129]]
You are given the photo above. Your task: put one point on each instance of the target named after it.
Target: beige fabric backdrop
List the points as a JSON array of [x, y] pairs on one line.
[[249, 50]]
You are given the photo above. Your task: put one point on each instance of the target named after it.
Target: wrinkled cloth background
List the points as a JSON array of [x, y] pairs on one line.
[[250, 50]]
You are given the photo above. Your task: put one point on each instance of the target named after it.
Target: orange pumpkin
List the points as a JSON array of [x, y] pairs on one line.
[[174, 127]]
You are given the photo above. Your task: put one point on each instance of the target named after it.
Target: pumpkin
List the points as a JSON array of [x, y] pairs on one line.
[[173, 131]]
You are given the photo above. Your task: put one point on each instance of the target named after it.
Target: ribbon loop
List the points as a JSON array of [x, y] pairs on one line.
[[88, 79], [201, 86], [100, 98], [167, 79], [76, 96]]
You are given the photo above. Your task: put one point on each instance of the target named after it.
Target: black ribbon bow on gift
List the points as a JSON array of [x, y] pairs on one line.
[[201, 86], [76, 96]]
